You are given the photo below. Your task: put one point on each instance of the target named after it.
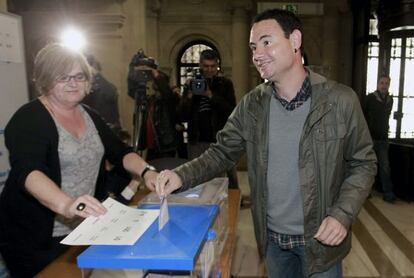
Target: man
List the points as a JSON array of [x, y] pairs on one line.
[[378, 108], [208, 111], [309, 153], [103, 97]]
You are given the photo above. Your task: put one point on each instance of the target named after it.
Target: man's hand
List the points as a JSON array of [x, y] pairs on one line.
[[331, 232], [207, 93], [150, 179], [154, 72], [167, 182]]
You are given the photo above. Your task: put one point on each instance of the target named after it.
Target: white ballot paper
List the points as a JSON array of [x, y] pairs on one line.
[[121, 225], [164, 216]]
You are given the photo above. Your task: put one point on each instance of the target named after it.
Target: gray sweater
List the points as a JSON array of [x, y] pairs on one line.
[[284, 206]]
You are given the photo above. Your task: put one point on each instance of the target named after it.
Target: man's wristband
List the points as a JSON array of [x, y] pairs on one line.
[[146, 169]]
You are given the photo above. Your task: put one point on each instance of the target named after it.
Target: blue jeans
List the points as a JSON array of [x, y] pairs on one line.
[[282, 263], [381, 150]]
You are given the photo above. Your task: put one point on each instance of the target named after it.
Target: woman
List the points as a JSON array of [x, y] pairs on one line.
[[57, 148]]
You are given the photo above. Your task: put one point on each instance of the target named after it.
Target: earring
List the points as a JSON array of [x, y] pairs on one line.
[[296, 50]]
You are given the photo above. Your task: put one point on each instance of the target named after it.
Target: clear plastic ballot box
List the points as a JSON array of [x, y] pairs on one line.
[[173, 251], [211, 192]]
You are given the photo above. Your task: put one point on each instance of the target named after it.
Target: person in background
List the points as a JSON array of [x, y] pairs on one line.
[[57, 150], [180, 126], [208, 111], [103, 96], [158, 135], [311, 162], [378, 106]]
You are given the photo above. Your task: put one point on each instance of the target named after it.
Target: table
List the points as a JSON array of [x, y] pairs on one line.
[[65, 266]]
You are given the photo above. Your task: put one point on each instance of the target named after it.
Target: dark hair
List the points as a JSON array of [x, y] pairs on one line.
[[93, 62], [287, 20], [384, 76], [209, 54]]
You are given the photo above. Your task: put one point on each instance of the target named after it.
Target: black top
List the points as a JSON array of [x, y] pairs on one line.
[[32, 139], [104, 99], [377, 113], [222, 103]]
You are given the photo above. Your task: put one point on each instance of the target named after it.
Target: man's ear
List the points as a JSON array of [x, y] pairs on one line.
[[296, 39]]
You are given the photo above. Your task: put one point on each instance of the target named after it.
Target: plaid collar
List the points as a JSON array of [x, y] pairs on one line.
[[300, 98]]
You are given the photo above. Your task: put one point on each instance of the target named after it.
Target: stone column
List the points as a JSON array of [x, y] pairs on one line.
[[361, 14], [3, 6], [153, 11], [134, 38], [240, 51], [330, 40]]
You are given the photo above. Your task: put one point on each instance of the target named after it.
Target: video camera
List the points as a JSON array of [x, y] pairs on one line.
[[137, 78], [198, 84]]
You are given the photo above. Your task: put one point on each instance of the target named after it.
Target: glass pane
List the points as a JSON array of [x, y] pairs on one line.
[[373, 49], [409, 69], [192, 54], [393, 123], [407, 123], [373, 29], [409, 52], [395, 76], [372, 73], [372, 66], [394, 89], [395, 48]]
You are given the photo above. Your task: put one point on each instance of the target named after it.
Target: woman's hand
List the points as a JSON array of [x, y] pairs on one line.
[[84, 206], [150, 179]]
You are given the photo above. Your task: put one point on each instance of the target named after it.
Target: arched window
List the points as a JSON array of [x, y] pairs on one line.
[[188, 59]]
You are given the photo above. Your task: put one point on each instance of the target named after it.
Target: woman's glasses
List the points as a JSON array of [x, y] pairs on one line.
[[79, 77]]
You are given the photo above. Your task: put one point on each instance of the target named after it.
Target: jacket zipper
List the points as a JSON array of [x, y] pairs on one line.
[[321, 192]]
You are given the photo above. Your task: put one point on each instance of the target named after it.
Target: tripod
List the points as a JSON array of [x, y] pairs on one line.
[[141, 102]]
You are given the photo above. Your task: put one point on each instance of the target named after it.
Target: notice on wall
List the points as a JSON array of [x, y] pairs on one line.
[[10, 40], [13, 80]]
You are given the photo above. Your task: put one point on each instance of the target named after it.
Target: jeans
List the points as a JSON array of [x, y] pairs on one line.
[[282, 263], [381, 150]]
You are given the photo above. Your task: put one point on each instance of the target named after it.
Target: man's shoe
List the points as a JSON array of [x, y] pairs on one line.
[[389, 199]]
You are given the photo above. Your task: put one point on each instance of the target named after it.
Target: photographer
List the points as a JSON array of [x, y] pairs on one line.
[[158, 134], [207, 107]]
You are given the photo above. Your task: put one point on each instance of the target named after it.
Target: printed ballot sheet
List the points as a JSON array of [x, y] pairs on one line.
[[121, 225]]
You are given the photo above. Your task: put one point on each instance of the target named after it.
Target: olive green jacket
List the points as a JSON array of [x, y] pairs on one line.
[[337, 164]]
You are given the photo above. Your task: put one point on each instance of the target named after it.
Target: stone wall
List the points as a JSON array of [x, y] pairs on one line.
[[116, 29]]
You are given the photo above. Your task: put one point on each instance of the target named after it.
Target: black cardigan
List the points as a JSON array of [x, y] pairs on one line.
[[32, 139]]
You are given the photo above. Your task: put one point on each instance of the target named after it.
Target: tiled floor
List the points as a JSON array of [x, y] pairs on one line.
[[383, 241]]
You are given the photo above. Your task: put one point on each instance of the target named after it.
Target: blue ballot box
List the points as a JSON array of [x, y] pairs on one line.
[[175, 247]]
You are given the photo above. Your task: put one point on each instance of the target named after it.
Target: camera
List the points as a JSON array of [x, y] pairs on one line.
[[137, 78], [198, 85], [140, 59]]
